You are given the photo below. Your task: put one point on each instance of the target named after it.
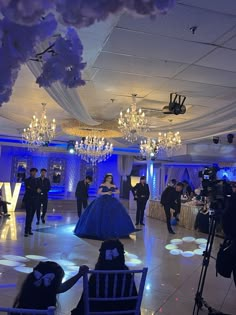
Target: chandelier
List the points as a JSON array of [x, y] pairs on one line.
[[132, 122], [149, 148], [169, 140], [93, 149], [40, 132]]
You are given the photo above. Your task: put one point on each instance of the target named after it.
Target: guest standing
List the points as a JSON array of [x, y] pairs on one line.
[[141, 195], [81, 194], [171, 199], [43, 188], [31, 200], [187, 190]]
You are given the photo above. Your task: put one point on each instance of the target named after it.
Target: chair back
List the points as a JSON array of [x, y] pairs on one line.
[[120, 290], [23, 311]]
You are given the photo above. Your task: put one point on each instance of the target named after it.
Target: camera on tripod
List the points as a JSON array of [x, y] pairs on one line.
[[213, 188]]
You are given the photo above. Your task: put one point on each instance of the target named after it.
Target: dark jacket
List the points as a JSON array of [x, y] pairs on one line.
[[31, 186], [229, 217], [82, 190], [44, 185], [109, 305], [141, 191], [202, 222], [171, 198]]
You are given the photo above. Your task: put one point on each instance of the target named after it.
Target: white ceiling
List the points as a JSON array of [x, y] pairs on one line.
[[152, 58]]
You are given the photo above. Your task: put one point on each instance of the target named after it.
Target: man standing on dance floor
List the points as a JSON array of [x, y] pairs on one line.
[[141, 195], [43, 188], [31, 200], [171, 199], [81, 193]]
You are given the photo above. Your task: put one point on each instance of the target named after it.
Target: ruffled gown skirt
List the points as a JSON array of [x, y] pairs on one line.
[[104, 218]]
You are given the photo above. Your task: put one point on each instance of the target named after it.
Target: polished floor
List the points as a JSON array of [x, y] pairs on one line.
[[174, 263]]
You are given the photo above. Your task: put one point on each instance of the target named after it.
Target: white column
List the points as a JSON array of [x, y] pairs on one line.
[[151, 180]]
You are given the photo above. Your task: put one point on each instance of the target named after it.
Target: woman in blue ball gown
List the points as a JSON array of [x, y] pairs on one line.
[[105, 217]]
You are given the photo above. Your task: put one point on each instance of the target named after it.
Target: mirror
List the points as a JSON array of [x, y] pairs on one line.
[[57, 171]]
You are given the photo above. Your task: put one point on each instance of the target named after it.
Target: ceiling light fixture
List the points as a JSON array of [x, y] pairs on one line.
[[40, 132], [215, 140], [93, 149], [230, 138], [149, 148], [132, 122]]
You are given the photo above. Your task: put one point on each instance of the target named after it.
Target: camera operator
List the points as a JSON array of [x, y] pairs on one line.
[[229, 221], [229, 217]]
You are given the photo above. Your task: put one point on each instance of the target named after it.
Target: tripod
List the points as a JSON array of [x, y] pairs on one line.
[[199, 300]]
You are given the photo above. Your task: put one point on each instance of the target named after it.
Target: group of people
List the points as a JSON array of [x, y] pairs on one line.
[[35, 198], [41, 287]]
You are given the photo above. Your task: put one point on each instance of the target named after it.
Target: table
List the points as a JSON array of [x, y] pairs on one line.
[[187, 216]]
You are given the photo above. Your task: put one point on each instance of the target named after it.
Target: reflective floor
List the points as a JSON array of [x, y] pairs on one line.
[[174, 263]]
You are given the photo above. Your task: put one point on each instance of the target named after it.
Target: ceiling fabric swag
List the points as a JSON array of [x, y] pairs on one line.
[[125, 164], [68, 99]]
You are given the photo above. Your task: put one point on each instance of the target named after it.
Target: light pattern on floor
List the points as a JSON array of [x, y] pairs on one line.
[[186, 246]]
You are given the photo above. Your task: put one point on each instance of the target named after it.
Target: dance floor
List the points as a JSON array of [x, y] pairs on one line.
[[174, 263]]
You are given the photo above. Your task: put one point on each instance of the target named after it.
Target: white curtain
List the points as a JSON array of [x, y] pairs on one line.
[[125, 164], [67, 98]]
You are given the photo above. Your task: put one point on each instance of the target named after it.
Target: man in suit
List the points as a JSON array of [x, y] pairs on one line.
[[81, 193], [171, 199], [141, 195], [31, 200], [43, 188]]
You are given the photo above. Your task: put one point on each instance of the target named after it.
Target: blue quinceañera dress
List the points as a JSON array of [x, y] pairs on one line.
[[104, 218]]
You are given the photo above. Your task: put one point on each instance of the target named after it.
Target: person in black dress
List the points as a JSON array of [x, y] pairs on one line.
[[171, 199], [141, 195], [43, 188], [31, 200], [111, 257], [81, 194]]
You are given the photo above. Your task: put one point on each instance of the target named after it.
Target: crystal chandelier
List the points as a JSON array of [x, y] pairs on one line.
[[40, 132], [132, 122], [93, 149], [169, 140], [148, 148]]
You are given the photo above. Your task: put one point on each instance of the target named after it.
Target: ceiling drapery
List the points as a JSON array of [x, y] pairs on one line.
[[68, 99]]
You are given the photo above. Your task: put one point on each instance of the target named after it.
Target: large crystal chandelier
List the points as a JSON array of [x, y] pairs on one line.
[[169, 140], [148, 148], [40, 132], [93, 149], [132, 122]]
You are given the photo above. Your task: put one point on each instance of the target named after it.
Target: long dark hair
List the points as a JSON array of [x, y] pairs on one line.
[[108, 175], [115, 263], [35, 293]]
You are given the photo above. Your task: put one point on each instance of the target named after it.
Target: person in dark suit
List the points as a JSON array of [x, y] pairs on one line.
[[81, 193], [171, 199], [141, 195], [44, 186], [31, 200]]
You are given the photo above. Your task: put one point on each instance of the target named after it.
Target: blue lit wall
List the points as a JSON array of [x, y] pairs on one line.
[[72, 168]]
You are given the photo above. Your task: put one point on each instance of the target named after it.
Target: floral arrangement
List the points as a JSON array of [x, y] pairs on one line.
[[24, 24]]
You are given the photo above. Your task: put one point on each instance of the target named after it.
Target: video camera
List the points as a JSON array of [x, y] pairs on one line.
[[216, 190]]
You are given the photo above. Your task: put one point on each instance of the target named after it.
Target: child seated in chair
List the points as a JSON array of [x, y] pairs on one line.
[[111, 257], [40, 288]]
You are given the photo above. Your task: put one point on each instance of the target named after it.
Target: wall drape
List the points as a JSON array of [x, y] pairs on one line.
[[125, 164]]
